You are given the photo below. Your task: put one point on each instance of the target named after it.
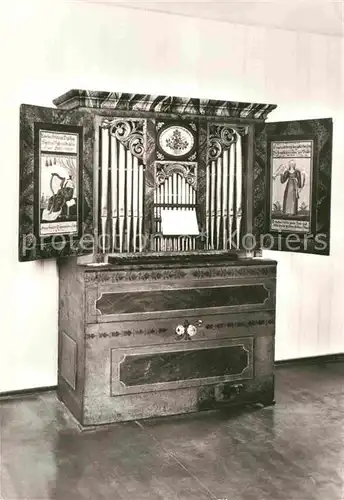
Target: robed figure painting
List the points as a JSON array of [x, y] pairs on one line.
[[291, 183], [294, 180]]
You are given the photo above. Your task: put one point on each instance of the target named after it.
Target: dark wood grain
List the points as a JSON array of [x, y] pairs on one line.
[[189, 298], [145, 369], [149, 182], [260, 191], [202, 180]]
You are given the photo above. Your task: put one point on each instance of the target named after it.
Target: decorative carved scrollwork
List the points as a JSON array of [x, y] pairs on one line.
[[220, 139], [188, 170], [129, 132]]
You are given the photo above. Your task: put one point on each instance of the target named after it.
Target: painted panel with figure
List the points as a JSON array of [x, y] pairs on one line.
[[56, 183], [58, 171], [298, 161], [291, 186]]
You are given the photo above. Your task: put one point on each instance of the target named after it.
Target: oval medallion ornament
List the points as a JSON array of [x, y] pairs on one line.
[[176, 141]]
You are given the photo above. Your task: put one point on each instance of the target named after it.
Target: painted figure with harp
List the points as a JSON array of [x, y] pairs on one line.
[[60, 203]]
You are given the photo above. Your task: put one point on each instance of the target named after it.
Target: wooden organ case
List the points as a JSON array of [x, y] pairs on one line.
[[156, 317]]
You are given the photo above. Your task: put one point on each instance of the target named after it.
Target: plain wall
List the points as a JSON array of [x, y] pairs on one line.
[[49, 47]]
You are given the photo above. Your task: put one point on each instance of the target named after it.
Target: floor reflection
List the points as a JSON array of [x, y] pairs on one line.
[[293, 450]]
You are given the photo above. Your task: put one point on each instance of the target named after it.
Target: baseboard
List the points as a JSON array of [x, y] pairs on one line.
[[327, 358], [26, 392]]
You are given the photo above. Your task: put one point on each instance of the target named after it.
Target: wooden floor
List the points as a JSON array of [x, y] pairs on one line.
[[293, 451]]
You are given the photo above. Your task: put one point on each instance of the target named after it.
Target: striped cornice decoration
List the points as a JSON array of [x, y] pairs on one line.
[[162, 104]]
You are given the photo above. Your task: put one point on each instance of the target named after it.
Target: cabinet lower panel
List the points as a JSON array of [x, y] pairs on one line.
[[152, 390], [179, 401], [148, 348], [157, 368]]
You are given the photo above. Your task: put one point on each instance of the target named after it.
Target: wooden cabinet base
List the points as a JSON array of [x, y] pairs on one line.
[[124, 356]]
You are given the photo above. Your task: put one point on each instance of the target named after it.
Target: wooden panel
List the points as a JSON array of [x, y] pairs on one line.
[[191, 365], [150, 156], [163, 331], [310, 204], [259, 181], [186, 298], [177, 309], [100, 408], [266, 302], [68, 360], [202, 180], [149, 369], [56, 183], [105, 348], [71, 322]]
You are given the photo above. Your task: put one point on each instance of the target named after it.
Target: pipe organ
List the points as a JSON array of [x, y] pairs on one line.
[[124, 226], [176, 187], [224, 177], [121, 186], [162, 309]]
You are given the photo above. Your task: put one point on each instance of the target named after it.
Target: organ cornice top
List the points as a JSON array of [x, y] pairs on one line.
[[77, 98]]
